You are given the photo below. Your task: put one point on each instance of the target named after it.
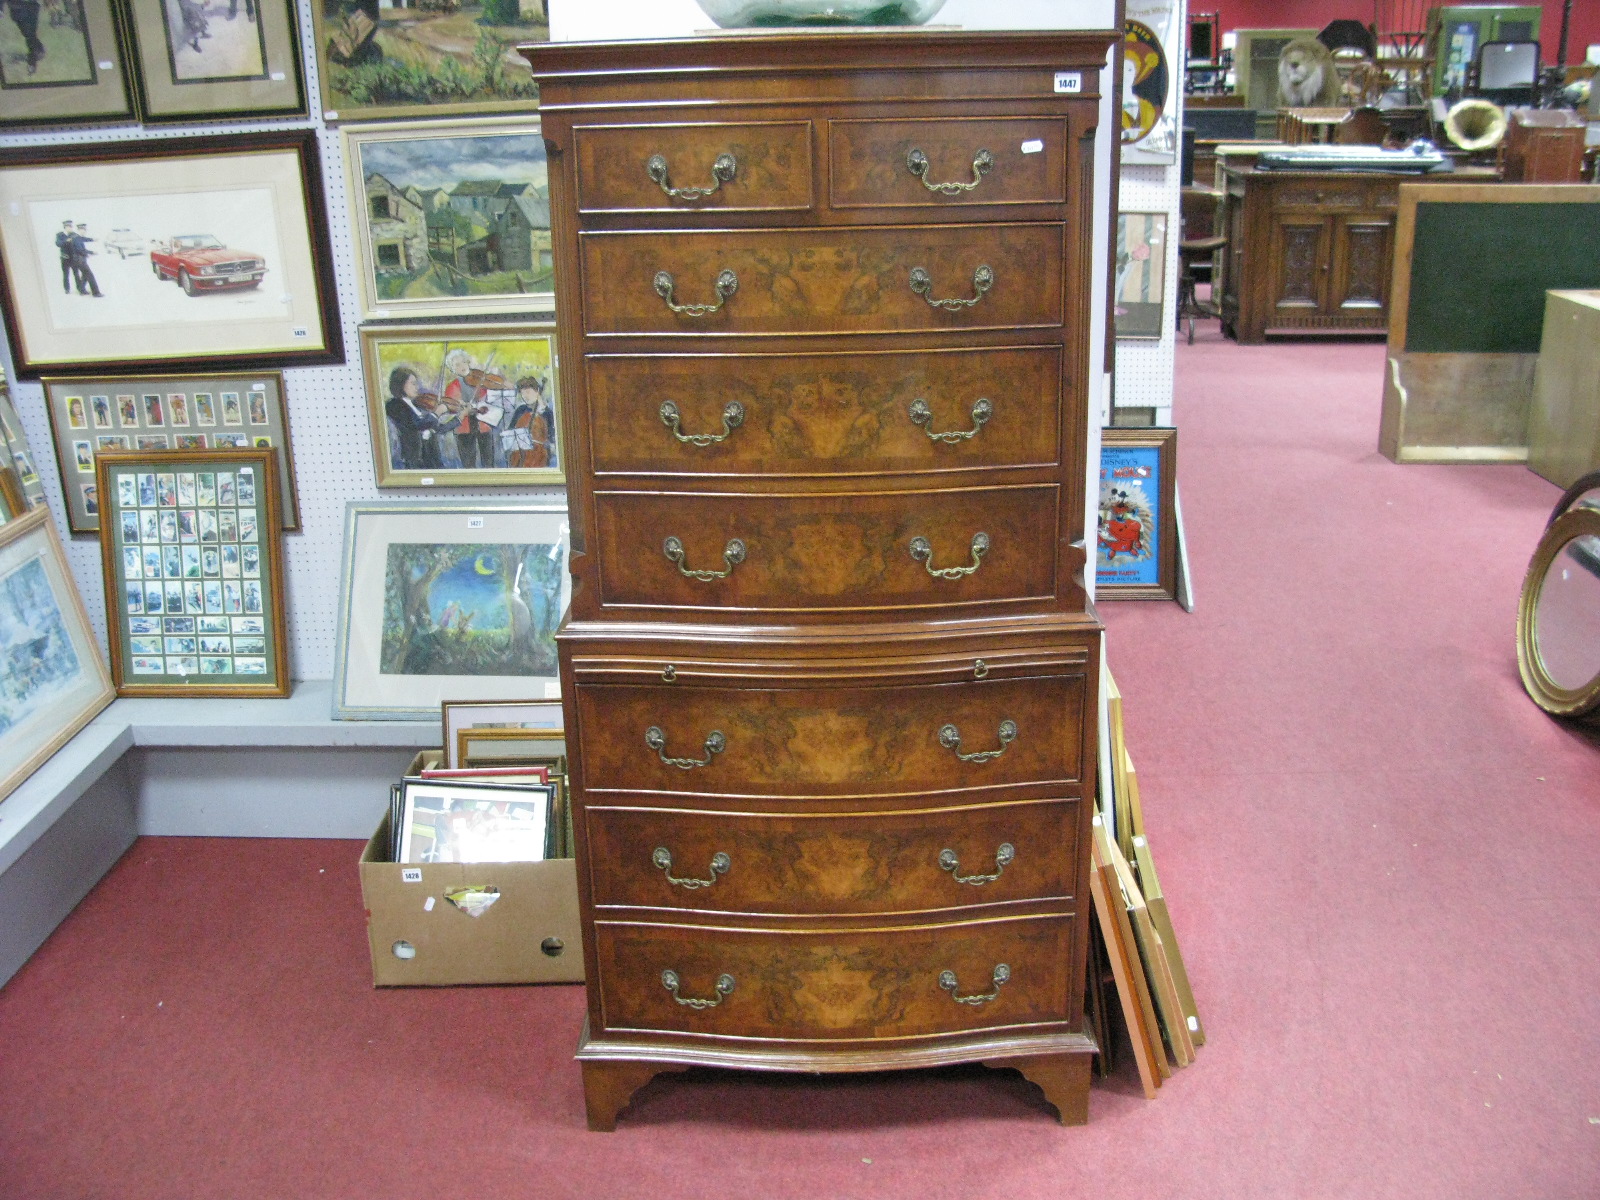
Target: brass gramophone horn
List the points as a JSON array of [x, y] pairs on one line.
[[1475, 125]]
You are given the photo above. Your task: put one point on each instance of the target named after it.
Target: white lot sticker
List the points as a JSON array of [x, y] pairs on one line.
[[278, 77], [1033, 146], [1069, 81], [411, 875], [427, 481], [107, 65], [427, 905], [474, 522], [298, 331]]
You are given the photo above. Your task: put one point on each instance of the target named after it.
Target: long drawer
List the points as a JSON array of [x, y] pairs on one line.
[[917, 860], [861, 413], [837, 984], [827, 553], [878, 279]]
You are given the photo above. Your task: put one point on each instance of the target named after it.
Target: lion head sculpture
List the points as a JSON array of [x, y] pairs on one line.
[[1306, 75]]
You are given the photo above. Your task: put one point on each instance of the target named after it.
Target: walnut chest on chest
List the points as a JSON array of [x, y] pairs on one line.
[[829, 677]]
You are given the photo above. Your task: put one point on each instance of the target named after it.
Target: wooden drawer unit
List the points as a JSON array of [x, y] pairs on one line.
[[755, 167], [947, 163]]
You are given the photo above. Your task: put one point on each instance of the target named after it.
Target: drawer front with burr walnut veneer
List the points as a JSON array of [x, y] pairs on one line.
[[830, 684]]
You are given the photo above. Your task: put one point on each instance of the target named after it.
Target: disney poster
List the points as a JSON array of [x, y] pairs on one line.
[[1150, 82], [1128, 529]]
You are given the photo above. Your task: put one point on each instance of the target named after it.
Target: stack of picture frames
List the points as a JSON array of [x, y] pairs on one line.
[[1137, 949]]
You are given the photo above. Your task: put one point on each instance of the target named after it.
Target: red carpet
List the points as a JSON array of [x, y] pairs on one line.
[[1382, 859]]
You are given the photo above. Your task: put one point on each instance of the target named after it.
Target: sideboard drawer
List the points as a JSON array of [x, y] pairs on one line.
[[848, 279], [827, 552], [754, 167], [918, 860], [947, 162], [800, 743], [837, 984]]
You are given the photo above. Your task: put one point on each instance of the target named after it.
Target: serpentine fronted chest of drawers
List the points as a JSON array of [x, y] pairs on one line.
[[829, 677]]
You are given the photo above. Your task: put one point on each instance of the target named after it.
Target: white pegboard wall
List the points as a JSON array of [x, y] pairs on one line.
[[327, 409]]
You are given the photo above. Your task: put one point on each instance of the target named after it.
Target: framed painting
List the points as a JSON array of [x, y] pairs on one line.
[[463, 405], [455, 217], [14, 453], [1136, 534], [1149, 81], [448, 599], [1140, 287], [192, 556], [52, 678], [167, 254], [60, 63], [202, 61], [381, 60], [464, 719]]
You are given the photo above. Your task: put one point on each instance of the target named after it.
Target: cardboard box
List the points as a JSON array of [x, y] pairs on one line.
[[530, 934]]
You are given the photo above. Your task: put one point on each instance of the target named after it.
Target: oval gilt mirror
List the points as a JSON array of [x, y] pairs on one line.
[[1558, 622]]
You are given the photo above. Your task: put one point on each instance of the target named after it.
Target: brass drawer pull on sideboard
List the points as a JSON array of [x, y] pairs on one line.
[[732, 554], [662, 858], [716, 743], [922, 415], [949, 862], [726, 285], [917, 164], [922, 551], [922, 285], [947, 980], [950, 739], [732, 418], [669, 980], [722, 171]]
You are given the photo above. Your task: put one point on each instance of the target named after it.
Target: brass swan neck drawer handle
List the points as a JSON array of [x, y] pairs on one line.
[[732, 418], [722, 171], [948, 861], [727, 283], [716, 743], [732, 554], [922, 415], [670, 981], [950, 739], [917, 164], [922, 285], [947, 980], [922, 551], [662, 858]]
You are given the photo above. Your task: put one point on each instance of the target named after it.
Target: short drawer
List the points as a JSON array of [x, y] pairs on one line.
[[835, 985], [1316, 194], [827, 552], [845, 863], [948, 163], [757, 167], [890, 738], [849, 279], [864, 413]]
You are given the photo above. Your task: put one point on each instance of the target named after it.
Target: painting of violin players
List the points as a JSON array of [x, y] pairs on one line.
[[463, 405]]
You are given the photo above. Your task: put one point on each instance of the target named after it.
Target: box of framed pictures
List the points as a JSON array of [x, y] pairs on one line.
[[469, 879]]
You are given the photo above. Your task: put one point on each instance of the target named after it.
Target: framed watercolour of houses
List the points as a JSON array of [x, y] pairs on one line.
[[153, 413], [193, 562], [52, 679], [230, 58], [455, 217], [167, 254], [454, 600], [1140, 286], [62, 63], [463, 405], [1136, 536]]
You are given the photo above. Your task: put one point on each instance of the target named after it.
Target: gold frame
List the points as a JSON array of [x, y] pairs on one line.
[[270, 539], [279, 91], [1558, 701], [490, 733], [106, 97]]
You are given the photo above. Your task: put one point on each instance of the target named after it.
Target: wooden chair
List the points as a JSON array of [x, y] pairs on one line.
[[1199, 244]]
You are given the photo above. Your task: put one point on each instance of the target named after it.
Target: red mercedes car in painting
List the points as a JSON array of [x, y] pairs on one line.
[[200, 263]]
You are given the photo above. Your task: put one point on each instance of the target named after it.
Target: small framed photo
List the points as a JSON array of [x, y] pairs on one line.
[[162, 412], [14, 450], [463, 717], [456, 821], [455, 217], [463, 405], [1136, 535], [1140, 287], [456, 599], [61, 63], [52, 678], [192, 554], [186, 253], [202, 61]]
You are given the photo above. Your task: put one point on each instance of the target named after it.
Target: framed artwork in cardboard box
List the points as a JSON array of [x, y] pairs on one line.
[[375, 60], [456, 217], [1140, 287], [460, 718], [52, 679], [463, 405], [154, 413], [477, 821], [62, 63], [192, 555], [167, 254], [1136, 535], [441, 598], [229, 58]]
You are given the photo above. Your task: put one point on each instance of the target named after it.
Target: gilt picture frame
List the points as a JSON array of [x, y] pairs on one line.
[[1136, 535], [203, 62], [64, 68]]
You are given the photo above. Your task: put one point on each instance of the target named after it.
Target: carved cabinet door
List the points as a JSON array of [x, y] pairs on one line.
[[1299, 266], [1362, 252]]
